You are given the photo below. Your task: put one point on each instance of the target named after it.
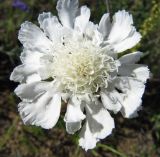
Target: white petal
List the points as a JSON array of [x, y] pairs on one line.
[[122, 24], [33, 78], [97, 38], [67, 11], [111, 100], [22, 73], [131, 58], [87, 140], [45, 72], [82, 20], [74, 112], [90, 30], [91, 33], [30, 92], [28, 72], [129, 42], [32, 37], [140, 72], [72, 127], [132, 93], [99, 124], [51, 26], [105, 25], [123, 34], [44, 111], [100, 121], [74, 115], [31, 57]]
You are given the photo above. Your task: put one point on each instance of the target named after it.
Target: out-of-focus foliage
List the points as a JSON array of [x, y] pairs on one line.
[[153, 21], [134, 138]]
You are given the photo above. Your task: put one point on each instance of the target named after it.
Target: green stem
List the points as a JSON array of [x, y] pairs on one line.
[[108, 8], [95, 153], [107, 5], [111, 150]]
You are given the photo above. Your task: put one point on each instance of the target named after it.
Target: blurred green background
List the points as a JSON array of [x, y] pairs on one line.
[[139, 137]]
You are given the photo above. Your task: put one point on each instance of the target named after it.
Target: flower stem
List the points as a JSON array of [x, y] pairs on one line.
[[107, 5], [106, 147], [108, 8]]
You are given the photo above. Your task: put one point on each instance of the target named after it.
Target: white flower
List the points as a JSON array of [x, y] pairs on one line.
[[76, 62]]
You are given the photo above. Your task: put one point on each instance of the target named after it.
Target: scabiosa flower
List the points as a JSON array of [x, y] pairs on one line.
[[76, 61], [19, 4]]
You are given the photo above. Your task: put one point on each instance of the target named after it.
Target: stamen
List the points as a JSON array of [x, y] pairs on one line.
[[81, 67]]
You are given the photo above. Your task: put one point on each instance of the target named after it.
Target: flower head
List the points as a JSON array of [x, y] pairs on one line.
[[19, 4], [76, 61]]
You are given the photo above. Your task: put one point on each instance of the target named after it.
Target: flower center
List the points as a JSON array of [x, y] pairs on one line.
[[81, 68]]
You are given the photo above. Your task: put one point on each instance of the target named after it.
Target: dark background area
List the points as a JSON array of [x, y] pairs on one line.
[[139, 137]]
